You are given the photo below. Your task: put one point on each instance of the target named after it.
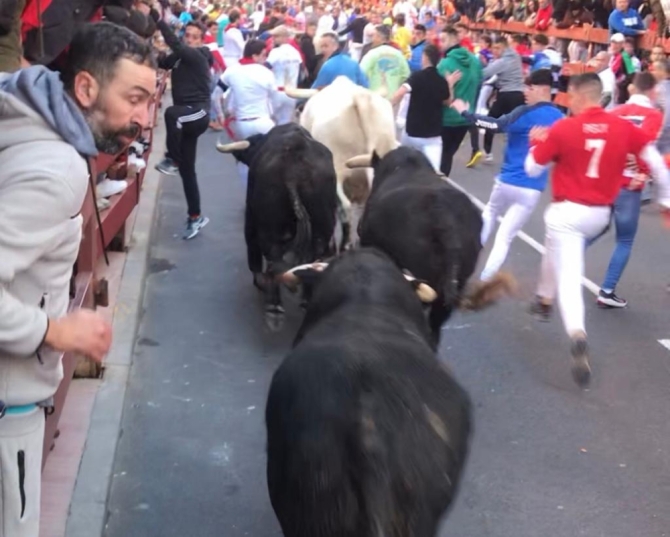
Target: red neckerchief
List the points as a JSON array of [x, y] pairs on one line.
[[230, 27], [246, 61]]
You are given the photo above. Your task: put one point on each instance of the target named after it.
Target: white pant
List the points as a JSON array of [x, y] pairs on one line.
[[431, 147], [283, 109], [355, 50], [518, 204], [20, 497], [568, 227], [245, 129], [484, 95]]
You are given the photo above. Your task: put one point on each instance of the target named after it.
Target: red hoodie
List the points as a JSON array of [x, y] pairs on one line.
[[466, 42]]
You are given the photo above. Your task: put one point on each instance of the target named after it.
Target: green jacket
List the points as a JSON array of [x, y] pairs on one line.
[[467, 88]]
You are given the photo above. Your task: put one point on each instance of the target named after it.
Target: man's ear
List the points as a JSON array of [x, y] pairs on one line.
[[85, 90]]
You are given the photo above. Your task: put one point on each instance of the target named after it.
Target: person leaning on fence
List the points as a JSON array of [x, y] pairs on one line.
[[50, 126]]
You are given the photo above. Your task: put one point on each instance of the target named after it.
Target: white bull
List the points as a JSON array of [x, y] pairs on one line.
[[349, 120]]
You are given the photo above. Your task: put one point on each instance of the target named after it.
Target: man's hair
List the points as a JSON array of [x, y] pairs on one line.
[[384, 30], [433, 54], [233, 16], [500, 40], [97, 48], [541, 39], [588, 83], [540, 77], [450, 30], [332, 36], [253, 48], [400, 19], [461, 26], [193, 24], [663, 64], [487, 39], [644, 82], [420, 28]]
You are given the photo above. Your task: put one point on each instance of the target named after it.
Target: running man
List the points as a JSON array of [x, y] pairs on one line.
[[641, 111], [515, 193], [590, 152]]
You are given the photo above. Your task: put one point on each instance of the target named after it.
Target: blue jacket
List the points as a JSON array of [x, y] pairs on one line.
[[415, 58], [626, 23], [340, 65], [517, 125]]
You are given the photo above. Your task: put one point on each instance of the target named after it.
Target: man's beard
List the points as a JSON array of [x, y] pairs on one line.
[[108, 140]]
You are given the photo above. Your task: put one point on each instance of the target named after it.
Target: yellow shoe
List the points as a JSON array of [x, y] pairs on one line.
[[474, 159]]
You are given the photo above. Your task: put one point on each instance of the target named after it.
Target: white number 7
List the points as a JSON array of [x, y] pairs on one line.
[[597, 146]]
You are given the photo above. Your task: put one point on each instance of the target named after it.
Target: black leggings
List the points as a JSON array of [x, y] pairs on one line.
[[184, 125], [505, 102]]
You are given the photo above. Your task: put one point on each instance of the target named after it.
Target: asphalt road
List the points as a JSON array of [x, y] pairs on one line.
[[546, 459]]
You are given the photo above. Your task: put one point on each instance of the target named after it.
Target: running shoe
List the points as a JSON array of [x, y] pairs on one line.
[[488, 158], [474, 159], [581, 370], [167, 166], [539, 310], [610, 300], [194, 225]]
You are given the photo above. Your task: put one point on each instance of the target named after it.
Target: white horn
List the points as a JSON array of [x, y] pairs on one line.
[[300, 93], [232, 146], [424, 291], [359, 161], [290, 278]]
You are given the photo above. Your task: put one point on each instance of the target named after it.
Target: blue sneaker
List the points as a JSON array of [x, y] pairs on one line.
[[194, 225], [167, 166]]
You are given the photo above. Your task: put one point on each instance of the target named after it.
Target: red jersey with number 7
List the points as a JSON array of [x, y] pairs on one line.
[[590, 154]]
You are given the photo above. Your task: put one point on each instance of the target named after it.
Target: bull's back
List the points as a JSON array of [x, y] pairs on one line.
[[373, 435]]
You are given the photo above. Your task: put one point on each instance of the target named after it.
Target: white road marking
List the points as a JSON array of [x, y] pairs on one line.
[[530, 241], [665, 343]]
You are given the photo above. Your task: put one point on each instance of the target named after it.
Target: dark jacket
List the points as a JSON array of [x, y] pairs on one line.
[[191, 77], [356, 28]]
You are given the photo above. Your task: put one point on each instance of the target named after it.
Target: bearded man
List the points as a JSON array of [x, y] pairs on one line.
[[49, 126]]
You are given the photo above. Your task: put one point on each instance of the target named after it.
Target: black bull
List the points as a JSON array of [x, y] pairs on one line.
[[290, 206], [430, 229], [367, 432]]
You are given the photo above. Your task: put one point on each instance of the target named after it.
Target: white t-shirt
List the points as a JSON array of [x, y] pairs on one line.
[[257, 17], [252, 87], [285, 61], [368, 32], [406, 8], [233, 46]]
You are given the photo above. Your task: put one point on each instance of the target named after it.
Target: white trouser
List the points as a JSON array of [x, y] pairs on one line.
[[518, 204], [245, 129], [21, 439], [484, 94], [431, 147], [401, 116], [283, 109], [355, 50], [567, 228]]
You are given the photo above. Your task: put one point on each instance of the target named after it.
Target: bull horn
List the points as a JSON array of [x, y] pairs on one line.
[[290, 278], [300, 93], [232, 146], [424, 291], [359, 161]]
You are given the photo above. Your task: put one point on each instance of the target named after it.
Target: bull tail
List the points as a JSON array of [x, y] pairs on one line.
[[303, 231], [482, 294]]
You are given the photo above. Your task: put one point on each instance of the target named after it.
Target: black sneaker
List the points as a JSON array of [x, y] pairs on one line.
[[194, 225], [581, 370], [539, 310], [167, 166], [610, 300]]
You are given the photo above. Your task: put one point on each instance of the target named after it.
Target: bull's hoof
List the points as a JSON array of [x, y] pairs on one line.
[[274, 318]]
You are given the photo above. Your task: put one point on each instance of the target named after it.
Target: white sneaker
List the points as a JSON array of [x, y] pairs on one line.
[[108, 188], [488, 157]]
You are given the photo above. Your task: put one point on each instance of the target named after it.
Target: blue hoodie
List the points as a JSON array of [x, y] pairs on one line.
[[42, 91], [517, 125], [625, 22]]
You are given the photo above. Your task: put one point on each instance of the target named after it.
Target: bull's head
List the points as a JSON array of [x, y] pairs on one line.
[[311, 271]]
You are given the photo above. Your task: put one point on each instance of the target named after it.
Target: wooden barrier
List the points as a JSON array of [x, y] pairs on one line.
[[585, 33], [88, 291]]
